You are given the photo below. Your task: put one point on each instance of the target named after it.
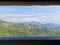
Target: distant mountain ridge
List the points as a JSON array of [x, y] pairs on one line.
[[46, 24], [35, 23], [28, 29]]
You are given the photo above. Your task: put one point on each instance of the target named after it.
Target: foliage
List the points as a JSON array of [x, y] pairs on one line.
[[8, 29]]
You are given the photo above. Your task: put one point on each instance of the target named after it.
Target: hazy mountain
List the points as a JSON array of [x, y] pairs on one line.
[[32, 23], [28, 29]]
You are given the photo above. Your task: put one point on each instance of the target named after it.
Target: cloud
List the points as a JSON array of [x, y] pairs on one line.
[[18, 17], [44, 16], [31, 13], [29, 19]]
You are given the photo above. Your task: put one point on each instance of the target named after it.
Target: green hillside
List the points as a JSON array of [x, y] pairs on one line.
[[8, 29]]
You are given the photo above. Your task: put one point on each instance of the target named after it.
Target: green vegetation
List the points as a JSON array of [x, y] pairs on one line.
[[8, 29]]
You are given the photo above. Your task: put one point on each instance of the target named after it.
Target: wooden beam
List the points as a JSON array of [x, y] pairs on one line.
[[30, 3]]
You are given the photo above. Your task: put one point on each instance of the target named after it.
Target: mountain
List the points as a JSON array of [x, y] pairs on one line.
[[43, 25], [52, 25], [1, 21], [11, 29], [32, 23]]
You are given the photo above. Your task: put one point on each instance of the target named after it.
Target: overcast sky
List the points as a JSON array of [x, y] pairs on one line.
[[42, 14]]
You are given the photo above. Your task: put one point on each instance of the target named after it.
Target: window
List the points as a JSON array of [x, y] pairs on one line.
[[29, 21]]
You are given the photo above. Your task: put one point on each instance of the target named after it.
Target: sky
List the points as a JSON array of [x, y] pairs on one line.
[[42, 14]]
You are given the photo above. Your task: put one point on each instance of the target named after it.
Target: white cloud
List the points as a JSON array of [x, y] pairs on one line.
[[28, 19], [44, 16], [22, 17]]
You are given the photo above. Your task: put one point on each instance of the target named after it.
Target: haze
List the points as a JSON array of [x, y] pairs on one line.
[[42, 14]]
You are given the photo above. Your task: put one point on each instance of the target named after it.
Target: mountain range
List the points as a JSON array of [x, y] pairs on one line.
[[11, 29]]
